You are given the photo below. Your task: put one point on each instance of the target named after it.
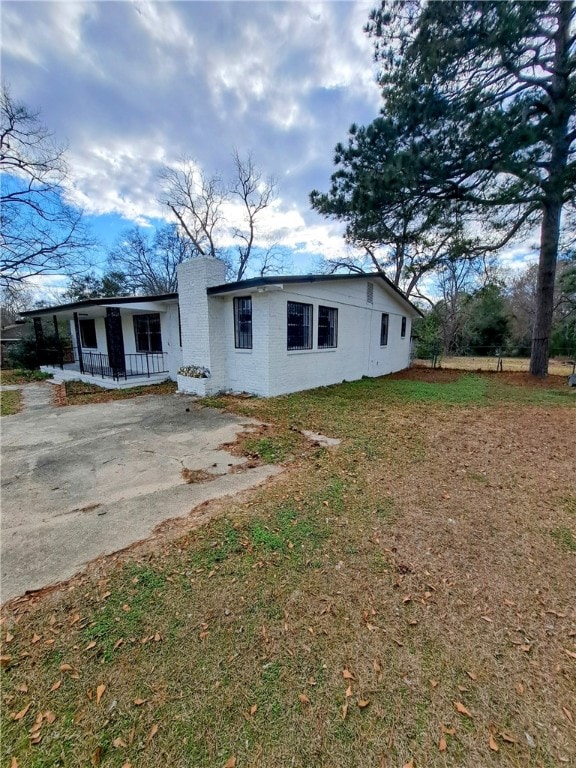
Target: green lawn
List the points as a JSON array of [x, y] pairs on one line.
[[407, 596], [10, 402]]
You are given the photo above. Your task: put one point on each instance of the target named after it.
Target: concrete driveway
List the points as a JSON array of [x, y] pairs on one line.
[[82, 481]]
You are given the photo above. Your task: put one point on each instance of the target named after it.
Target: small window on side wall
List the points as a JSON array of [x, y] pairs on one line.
[[243, 322], [327, 327], [384, 329], [88, 334], [403, 329], [299, 325]]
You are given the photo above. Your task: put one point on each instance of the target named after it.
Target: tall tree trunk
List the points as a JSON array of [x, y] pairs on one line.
[[554, 191], [549, 237]]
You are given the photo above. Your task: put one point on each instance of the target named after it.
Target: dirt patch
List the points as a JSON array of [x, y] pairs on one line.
[[446, 375], [197, 476]]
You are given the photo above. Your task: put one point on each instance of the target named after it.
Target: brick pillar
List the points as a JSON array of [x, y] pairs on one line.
[[200, 317]]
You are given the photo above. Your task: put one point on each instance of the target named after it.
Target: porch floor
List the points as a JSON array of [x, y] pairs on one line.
[[71, 372]]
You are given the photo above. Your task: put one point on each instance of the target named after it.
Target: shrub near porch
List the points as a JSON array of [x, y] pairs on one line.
[[404, 598]]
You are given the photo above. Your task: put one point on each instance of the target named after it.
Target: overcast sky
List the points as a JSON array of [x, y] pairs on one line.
[[132, 85]]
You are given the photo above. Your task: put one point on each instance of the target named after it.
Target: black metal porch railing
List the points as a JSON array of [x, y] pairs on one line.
[[98, 364]]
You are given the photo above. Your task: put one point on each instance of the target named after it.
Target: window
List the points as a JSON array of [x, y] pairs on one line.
[[147, 333], [243, 322], [403, 331], [384, 330], [299, 325], [327, 327], [88, 334]]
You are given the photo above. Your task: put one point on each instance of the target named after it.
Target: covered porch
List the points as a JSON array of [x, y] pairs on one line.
[[114, 343]]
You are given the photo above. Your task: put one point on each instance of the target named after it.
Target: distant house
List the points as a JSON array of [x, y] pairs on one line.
[[11, 334], [267, 336]]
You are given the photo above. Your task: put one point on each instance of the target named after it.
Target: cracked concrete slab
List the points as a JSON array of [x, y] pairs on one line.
[[83, 481]]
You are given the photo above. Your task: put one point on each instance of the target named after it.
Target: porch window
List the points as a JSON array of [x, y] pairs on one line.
[[299, 325], [88, 334], [147, 333], [403, 329], [384, 329], [243, 322], [327, 327]]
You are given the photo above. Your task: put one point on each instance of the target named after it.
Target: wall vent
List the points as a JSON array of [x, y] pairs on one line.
[[370, 293]]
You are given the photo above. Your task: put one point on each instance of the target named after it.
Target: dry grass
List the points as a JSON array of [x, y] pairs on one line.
[[81, 393], [10, 402], [339, 615], [516, 364]]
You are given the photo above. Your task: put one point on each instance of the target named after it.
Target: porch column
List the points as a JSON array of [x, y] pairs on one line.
[[115, 342], [78, 341], [40, 344], [58, 344]]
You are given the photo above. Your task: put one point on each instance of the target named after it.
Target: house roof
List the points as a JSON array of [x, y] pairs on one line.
[[255, 282], [258, 282], [101, 302]]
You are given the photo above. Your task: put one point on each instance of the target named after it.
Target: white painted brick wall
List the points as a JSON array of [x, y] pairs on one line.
[[270, 369], [201, 320]]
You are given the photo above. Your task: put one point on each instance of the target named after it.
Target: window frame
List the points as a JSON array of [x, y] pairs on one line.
[[91, 323], [403, 327], [307, 330], [331, 327], [384, 329], [147, 333], [242, 339]]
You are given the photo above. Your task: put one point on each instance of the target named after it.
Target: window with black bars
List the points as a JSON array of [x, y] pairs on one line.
[[243, 322], [327, 327], [299, 325], [384, 329], [147, 333]]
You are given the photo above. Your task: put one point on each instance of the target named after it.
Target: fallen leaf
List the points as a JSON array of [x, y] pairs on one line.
[[153, 732], [472, 676], [35, 638], [520, 688], [138, 702], [119, 743], [14, 763], [570, 653], [75, 619], [22, 688], [91, 645], [49, 716], [5, 660], [56, 685], [253, 709], [99, 692], [96, 758], [508, 737], [118, 643], [409, 765], [105, 595], [462, 709], [344, 710], [66, 668], [9, 637], [568, 714], [449, 731], [35, 738], [349, 692], [230, 763], [442, 744], [492, 744], [303, 698], [22, 712], [347, 675], [433, 683], [363, 703], [127, 765], [157, 637]]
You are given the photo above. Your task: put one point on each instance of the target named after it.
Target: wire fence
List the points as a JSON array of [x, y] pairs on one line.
[[559, 366]]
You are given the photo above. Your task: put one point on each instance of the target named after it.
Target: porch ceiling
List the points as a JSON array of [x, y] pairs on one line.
[[100, 311]]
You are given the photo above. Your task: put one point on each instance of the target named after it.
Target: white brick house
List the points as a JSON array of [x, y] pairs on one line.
[[267, 336]]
